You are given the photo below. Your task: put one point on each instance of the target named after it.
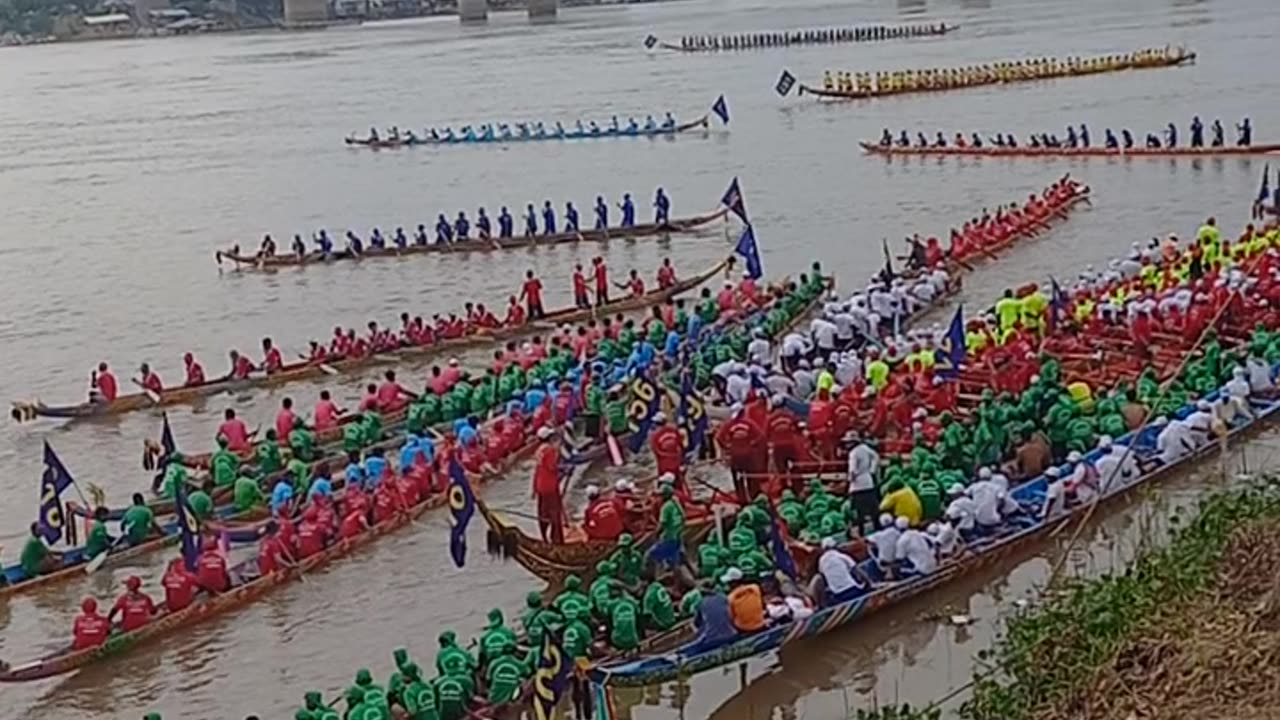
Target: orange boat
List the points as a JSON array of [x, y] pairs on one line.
[[1043, 152]]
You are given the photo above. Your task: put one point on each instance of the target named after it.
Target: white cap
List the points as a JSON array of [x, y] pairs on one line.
[[902, 523], [545, 432], [1052, 472], [886, 520], [1162, 420], [984, 473], [453, 362], [1203, 405], [667, 478], [1073, 457], [731, 575], [955, 489], [593, 490], [828, 542], [659, 417], [1104, 442], [934, 529], [621, 485]]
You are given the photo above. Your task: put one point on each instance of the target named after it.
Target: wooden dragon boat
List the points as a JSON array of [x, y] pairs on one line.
[[701, 123], [207, 607], [692, 657], [315, 257], [305, 369], [793, 38], [1022, 73], [1070, 152]]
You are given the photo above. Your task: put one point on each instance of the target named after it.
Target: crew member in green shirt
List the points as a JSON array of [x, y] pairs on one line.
[[37, 558], [139, 521], [99, 539]]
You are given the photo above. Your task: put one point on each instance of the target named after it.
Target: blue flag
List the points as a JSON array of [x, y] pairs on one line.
[[1265, 191], [951, 355], [645, 401], [733, 200], [785, 82], [51, 520], [721, 108], [551, 678], [1057, 303], [691, 415], [750, 252], [188, 526], [462, 505], [166, 438], [650, 41], [781, 554]]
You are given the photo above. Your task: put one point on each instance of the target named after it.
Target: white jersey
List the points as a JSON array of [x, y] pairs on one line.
[[779, 384], [963, 513], [837, 570], [986, 500], [1130, 268], [864, 463], [805, 382], [1174, 442], [1116, 468], [848, 369], [723, 369], [824, 333], [736, 388], [844, 325], [794, 345], [1259, 375], [1055, 498], [885, 541], [947, 541], [914, 548], [1200, 423], [1084, 480], [759, 351]]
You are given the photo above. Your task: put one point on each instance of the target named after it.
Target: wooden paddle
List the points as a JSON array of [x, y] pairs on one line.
[[92, 566], [152, 395]]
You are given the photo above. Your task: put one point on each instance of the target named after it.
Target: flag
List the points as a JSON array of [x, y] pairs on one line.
[[1265, 191], [951, 355], [650, 41], [1057, 303], [750, 252], [785, 82], [166, 439], [188, 526], [55, 479], [733, 200], [462, 505], [692, 415], [721, 108], [645, 401], [888, 261], [781, 555], [551, 678]]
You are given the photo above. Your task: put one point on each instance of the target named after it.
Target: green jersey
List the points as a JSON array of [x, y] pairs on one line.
[[419, 698], [616, 413], [137, 522], [225, 464], [630, 564], [99, 540], [303, 444], [201, 504], [624, 628], [352, 437], [671, 521], [269, 457], [34, 555], [659, 610], [595, 400], [453, 695], [504, 676], [247, 494], [577, 639]]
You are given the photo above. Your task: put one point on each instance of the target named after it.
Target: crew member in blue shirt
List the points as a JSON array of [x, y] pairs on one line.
[[548, 219], [628, 211], [570, 218], [530, 221], [506, 224], [602, 213], [482, 224], [661, 208], [461, 226]]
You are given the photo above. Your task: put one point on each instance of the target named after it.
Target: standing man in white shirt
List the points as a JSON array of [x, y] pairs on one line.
[[759, 351], [863, 471]]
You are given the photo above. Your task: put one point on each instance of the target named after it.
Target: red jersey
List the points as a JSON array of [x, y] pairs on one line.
[[326, 415], [211, 571], [107, 386], [152, 382], [242, 368], [369, 402], [273, 362], [311, 537], [390, 396], [179, 586], [237, 435], [384, 502], [603, 519], [90, 631], [284, 424], [515, 315], [533, 290], [602, 278], [579, 284], [352, 525], [666, 277], [546, 473], [636, 286], [270, 553], [407, 493], [135, 610], [668, 449], [195, 374]]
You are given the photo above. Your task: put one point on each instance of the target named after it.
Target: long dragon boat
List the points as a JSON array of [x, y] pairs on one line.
[[910, 82], [208, 607], [23, 411], [791, 38], [690, 656], [1095, 151], [702, 123], [244, 261]]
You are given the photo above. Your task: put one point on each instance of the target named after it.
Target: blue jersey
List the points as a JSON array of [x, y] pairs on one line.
[[548, 222], [281, 495], [482, 224], [375, 467], [427, 447], [506, 225], [672, 348], [408, 452], [321, 487], [571, 220], [354, 473], [602, 216], [467, 436], [533, 400]]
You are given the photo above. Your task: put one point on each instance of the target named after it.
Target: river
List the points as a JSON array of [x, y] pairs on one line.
[[127, 163]]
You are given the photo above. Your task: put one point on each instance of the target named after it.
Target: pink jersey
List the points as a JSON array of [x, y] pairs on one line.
[[236, 433], [326, 415]]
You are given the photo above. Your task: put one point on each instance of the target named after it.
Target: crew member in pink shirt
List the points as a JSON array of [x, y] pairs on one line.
[[236, 432], [284, 419], [327, 413], [392, 395]]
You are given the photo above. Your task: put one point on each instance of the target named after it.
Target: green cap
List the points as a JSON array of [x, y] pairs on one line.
[[364, 677], [495, 618], [447, 638], [573, 582], [402, 656], [314, 699], [533, 600]]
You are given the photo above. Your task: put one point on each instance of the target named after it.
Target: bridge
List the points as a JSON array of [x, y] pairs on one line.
[[313, 13]]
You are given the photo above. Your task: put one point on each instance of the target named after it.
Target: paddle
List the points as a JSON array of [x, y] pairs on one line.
[[92, 566], [152, 395]]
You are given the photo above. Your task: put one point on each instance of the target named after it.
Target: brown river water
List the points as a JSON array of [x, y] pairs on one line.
[[126, 164]]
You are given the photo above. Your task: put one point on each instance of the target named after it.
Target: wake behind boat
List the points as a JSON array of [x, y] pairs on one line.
[[517, 132]]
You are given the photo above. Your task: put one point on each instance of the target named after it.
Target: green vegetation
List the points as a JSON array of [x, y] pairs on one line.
[[35, 17]]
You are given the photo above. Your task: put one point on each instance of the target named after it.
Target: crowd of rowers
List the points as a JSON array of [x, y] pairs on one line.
[[1078, 139], [488, 132], [459, 229], [938, 478], [346, 343], [1008, 71], [808, 37]]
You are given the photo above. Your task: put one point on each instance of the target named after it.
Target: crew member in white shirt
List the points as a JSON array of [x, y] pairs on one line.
[[915, 552]]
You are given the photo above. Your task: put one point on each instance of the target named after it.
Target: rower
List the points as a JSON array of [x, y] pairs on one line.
[[1245, 130], [102, 385], [886, 139], [1112, 142], [299, 247], [149, 381], [444, 230], [1084, 135], [1071, 136], [235, 431], [530, 221], [904, 140], [548, 218], [483, 228], [241, 366], [559, 131], [661, 208], [1128, 138], [373, 135], [134, 606], [940, 141], [400, 239], [628, 211], [268, 247], [921, 141], [602, 213], [420, 236], [1197, 132], [37, 559], [1217, 133], [1153, 141], [376, 240], [461, 227], [506, 225], [1171, 135], [91, 628], [570, 218], [669, 122], [271, 359], [354, 244], [976, 140]]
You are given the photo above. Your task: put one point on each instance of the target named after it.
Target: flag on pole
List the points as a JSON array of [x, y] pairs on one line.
[[645, 402], [691, 415], [786, 81], [55, 478], [650, 41], [750, 252], [1265, 191], [733, 200], [188, 526], [781, 554], [951, 355], [888, 261], [551, 678], [721, 108], [1057, 303], [462, 506]]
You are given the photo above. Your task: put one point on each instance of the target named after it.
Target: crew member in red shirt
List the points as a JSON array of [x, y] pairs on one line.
[[744, 444], [312, 535], [102, 385], [392, 395], [271, 359], [241, 366], [602, 281], [236, 432], [180, 586], [326, 413], [149, 380], [546, 487], [195, 372], [668, 448], [273, 551], [384, 502], [531, 293], [370, 399], [134, 606], [285, 419], [580, 297], [211, 568], [353, 523], [515, 313], [91, 628], [666, 274], [602, 519], [633, 285]]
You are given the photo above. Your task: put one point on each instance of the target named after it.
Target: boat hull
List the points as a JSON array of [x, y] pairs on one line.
[[701, 123], [877, 149]]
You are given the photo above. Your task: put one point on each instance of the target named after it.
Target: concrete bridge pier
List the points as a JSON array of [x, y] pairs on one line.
[[304, 13], [473, 11], [543, 9]]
